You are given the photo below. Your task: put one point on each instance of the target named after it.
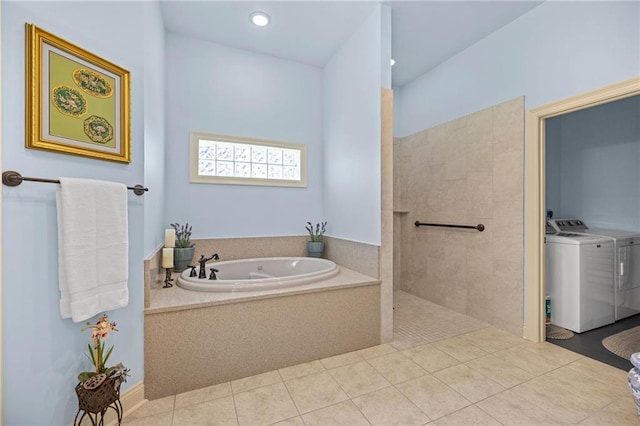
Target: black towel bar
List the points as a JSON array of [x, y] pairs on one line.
[[11, 178], [479, 227]]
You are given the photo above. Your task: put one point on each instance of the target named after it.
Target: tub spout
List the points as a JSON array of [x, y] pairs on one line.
[[202, 261]]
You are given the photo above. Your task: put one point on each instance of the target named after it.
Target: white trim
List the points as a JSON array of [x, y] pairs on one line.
[[131, 400], [534, 328]]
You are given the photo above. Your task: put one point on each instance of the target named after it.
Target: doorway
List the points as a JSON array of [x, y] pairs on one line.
[[534, 327]]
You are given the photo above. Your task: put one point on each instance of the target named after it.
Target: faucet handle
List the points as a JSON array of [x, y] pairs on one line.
[[193, 271], [212, 276]]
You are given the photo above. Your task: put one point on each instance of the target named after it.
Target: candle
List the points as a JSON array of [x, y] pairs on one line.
[[169, 237], [167, 258]]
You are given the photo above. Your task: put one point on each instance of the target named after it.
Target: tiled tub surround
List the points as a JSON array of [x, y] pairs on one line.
[[466, 171], [198, 339]]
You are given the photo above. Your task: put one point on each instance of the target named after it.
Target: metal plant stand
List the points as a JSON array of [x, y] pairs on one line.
[[95, 401]]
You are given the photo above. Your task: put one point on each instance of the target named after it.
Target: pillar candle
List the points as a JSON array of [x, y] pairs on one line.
[[167, 257], [169, 237]]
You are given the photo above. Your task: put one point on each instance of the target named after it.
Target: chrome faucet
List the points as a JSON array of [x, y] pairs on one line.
[[202, 274]]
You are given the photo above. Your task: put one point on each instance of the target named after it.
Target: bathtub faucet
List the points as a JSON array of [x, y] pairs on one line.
[[203, 273]]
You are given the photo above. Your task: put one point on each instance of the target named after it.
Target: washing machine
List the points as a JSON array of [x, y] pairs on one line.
[[627, 263], [579, 280]]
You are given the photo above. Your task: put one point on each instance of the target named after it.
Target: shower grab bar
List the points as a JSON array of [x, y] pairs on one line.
[[11, 178], [479, 227]]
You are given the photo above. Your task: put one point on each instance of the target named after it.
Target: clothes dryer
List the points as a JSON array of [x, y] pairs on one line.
[[627, 263], [579, 280]]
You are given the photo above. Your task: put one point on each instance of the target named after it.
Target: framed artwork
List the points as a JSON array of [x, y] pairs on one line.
[[76, 102]]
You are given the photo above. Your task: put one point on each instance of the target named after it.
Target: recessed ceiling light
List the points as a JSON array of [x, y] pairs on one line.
[[260, 19], [393, 62]]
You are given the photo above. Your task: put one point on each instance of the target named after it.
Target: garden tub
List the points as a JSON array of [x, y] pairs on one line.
[[259, 274]]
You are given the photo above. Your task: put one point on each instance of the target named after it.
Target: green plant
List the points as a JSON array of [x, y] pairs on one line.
[[317, 233], [183, 234], [97, 354]]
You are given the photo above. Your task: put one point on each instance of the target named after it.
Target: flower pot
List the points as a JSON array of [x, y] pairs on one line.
[[315, 248], [97, 400], [182, 258]]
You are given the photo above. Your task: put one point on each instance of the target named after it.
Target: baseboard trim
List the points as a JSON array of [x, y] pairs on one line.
[[131, 399]]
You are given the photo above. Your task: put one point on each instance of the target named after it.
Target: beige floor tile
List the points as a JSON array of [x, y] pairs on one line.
[[358, 379], [430, 358], [294, 421], [470, 415], [603, 373], [164, 419], [596, 393], [340, 360], [433, 397], [205, 394], [620, 412], [265, 405], [526, 360], [376, 351], [153, 407], [397, 368], [389, 407], [562, 406], [301, 370], [460, 349], [344, 413], [511, 409], [219, 411], [492, 339], [252, 382], [499, 371], [551, 351], [315, 391], [469, 383]]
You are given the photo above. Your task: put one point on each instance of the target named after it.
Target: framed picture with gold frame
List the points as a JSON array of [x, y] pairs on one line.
[[76, 102]]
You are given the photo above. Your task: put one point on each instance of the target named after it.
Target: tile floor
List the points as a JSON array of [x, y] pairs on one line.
[[449, 370]]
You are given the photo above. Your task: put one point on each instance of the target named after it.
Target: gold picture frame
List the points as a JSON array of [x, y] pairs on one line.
[[76, 102]]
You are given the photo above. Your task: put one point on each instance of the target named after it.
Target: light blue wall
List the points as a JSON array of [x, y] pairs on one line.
[[43, 353], [218, 89], [556, 50], [352, 101], [598, 177], [155, 162], [553, 158]]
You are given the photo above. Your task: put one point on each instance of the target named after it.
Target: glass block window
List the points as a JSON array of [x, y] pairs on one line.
[[232, 160]]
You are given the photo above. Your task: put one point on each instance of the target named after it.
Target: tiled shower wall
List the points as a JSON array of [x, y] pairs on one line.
[[467, 171]]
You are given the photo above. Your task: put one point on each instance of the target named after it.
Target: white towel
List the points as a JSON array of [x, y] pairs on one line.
[[93, 247]]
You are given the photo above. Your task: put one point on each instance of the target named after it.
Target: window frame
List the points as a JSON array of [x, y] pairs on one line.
[[195, 177]]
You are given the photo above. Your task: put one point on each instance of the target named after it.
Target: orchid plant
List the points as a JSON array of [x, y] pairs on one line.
[[97, 354], [317, 233], [183, 234]]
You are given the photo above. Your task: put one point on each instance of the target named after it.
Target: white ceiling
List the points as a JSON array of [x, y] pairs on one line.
[[424, 34]]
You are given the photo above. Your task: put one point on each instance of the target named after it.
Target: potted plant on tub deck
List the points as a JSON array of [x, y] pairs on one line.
[[184, 249], [315, 246]]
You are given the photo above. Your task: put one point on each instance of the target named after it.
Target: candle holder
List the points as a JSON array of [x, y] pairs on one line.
[[167, 279]]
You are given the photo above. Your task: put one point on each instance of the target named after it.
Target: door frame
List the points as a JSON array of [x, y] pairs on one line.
[[534, 193]]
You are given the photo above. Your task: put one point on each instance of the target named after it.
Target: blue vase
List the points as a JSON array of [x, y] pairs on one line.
[[315, 248]]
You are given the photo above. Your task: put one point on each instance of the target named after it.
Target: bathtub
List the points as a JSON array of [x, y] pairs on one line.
[[260, 274]]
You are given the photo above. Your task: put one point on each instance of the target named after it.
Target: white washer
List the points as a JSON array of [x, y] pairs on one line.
[[627, 263], [579, 280]]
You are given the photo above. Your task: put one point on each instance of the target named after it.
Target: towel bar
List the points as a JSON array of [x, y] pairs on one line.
[[11, 178], [479, 227]]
